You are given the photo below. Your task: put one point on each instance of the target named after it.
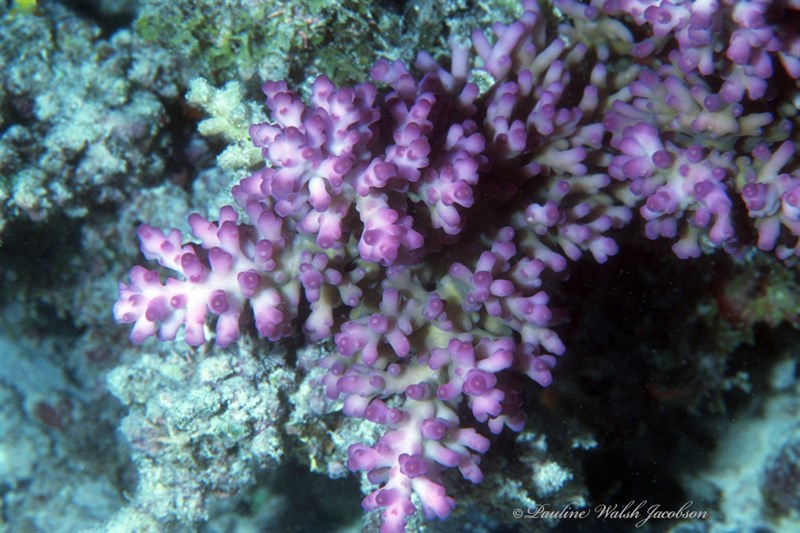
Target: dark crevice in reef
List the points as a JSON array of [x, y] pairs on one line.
[[109, 22], [189, 154], [35, 259], [332, 502], [620, 340], [644, 370]]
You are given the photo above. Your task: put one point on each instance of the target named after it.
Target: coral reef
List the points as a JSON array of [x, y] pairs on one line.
[[367, 213], [58, 459], [387, 260], [298, 40], [759, 487], [224, 415], [95, 139]]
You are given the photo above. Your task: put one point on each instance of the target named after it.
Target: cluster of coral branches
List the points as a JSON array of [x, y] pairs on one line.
[[413, 219]]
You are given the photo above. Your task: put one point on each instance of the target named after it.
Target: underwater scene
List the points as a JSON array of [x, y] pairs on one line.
[[483, 266]]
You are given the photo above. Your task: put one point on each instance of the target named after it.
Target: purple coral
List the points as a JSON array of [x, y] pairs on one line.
[[773, 198], [419, 218], [231, 264], [709, 32]]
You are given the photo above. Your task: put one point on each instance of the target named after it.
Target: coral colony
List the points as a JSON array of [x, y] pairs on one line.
[[414, 219]]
